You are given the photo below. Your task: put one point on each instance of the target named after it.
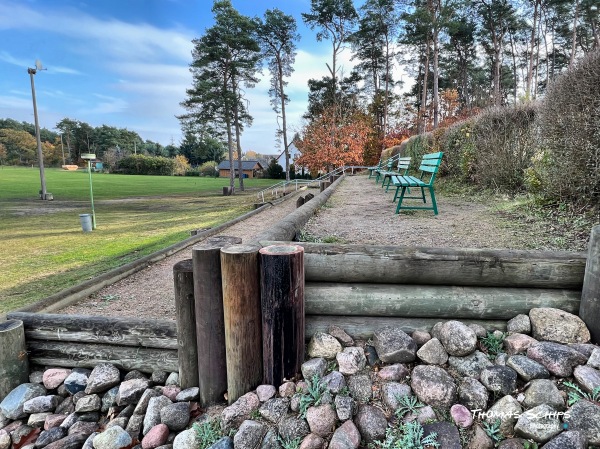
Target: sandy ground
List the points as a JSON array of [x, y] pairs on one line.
[[358, 212]]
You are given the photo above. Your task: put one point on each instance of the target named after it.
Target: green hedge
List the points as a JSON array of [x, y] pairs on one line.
[[139, 164]]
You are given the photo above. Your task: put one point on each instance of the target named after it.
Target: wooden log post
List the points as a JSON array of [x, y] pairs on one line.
[[210, 326], [241, 310], [308, 197], [187, 351], [282, 301], [14, 365], [299, 202], [589, 309]]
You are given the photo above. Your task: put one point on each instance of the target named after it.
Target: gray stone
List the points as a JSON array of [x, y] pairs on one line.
[[433, 386], [109, 399], [506, 410], [461, 416], [77, 380], [189, 394], [66, 407], [237, 412], [479, 330], [135, 374], [512, 443], [90, 403], [540, 424], [295, 402], [361, 387], [89, 416], [134, 426], [587, 377], [568, 440], [558, 326], [436, 329], [121, 422], [351, 360], [103, 377], [4, 421], [51, 378], [159, 377], [433, 353], [172, 379], [89, 443], [265, 392], [83, 428], [249, 435], [287, 389], [392, 391], [393, 373], [594, 360], [371, 355], [423, 415], [371, 423], [471, 365], [127, 411], [292, 427], [70, 420], [113, 438], [519, 325], [585, 348], [393, 345], [271, 440], [334, 381], [543, 391], [74, 441], [584, 416], [152, 417], [176, 416], [420, 337], [345, 407], [346, 436], [38, 419], [188, 439], [526, 368], [558, 359], [447, 434], [130, 391], [314, 367], [222, 443], [37, 377], [142, 405], [339, 333], [323, 345], [20, 434], [41, 404], [321, 420], [12, 405], [480, 439], [312, 441], [518, 343], [274, 409], [458, 339], [50, 436], [499, 379]]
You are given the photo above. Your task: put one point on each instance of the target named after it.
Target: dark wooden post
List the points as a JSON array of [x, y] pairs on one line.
[[589, 308], [210, 327], [187, 351], [308, 197], [241, 306], [14, 368], [282, 301], [299, 202]]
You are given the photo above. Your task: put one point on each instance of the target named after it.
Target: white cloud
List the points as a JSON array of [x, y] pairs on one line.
[[107, 105]]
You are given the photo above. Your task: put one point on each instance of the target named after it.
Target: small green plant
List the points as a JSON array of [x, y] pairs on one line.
[[530, 445], [108, 298], [255, 414], [406, 436], [492, 344], [407, 404], [331, 366], [493, 431], [576, 394], [313, 395], [287, 443], [344, 391], [208, 432]]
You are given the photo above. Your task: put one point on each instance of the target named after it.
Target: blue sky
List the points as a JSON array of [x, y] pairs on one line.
[[125, 64]]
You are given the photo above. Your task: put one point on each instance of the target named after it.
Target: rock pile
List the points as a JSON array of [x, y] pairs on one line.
[[456, 386]]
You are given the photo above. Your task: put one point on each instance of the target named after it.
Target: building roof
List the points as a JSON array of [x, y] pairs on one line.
[[246, 165]]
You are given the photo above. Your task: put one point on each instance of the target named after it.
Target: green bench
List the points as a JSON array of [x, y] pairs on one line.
[[401, 169], [429, 167]]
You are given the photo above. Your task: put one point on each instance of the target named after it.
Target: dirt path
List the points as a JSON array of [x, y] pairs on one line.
[[358, 212]]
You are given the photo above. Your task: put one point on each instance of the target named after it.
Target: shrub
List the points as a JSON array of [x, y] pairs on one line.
[[138, 164], [209, 169], [181, 165], [568, 164]]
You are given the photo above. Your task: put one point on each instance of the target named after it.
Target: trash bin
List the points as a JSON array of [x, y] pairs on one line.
[[86, 222]]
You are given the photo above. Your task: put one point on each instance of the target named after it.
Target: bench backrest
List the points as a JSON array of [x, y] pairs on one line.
[[430, 165], [403, 165]]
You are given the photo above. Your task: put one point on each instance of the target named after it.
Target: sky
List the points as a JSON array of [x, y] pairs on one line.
[[126, 64]]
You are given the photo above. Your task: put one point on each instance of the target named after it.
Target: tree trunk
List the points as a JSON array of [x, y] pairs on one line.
[[283, 119], [574, 36], [436, 99], [236, 122], [423, 126], [533, 38], [229, 140], [14, 369]]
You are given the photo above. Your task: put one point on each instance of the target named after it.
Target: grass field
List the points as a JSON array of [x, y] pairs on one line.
[[43, 249]]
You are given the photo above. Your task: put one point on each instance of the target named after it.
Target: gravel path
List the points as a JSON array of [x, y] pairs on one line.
[[358, 212]]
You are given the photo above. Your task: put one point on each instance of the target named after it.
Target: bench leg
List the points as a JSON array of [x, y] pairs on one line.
[[435, 211], [400, 200], [423, 194]]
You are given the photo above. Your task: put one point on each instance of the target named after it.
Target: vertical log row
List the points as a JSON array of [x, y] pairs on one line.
[[210, 327], [187, 351], [241, 302], [589, 309], [14, 366], [282, 301]]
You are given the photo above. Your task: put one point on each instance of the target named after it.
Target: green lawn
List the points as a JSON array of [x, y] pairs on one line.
[[43, 249]]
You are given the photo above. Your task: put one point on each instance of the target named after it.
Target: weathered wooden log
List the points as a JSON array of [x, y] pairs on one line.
[[210, 326], [589, 310], [282, 302], [299, 202], [363, 327], [98, 330], [324, 184], [14, 364], [241, 306], [69, 354], [433, 301], [185, 317], [441, 266], [308, 197]]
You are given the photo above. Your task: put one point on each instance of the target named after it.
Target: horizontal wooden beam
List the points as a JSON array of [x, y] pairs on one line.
[[363, 327], [68, 354], [442, 266], [161, 334], [433, 301]]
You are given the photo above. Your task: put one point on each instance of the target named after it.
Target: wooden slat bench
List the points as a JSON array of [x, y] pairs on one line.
[[429, 168], [401, 170]]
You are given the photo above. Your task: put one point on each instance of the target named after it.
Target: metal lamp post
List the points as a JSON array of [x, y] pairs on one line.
[[38, 66], [89, 157]]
